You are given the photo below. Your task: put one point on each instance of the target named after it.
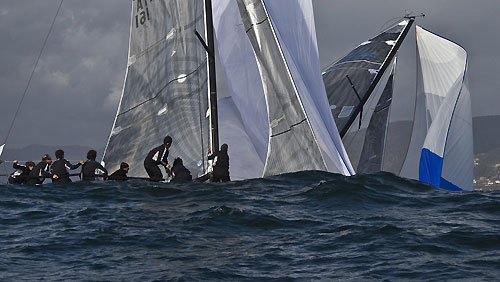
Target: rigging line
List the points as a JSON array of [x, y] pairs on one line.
[[33, 72]]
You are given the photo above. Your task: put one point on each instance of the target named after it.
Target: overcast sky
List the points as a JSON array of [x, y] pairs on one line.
[[75, 92]]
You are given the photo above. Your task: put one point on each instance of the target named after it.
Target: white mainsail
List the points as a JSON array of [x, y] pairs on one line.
[[441, 147], [165, 90], [302, 132]]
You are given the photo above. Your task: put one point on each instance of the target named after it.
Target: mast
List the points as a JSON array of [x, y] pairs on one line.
[[212, 87], [377, 78]]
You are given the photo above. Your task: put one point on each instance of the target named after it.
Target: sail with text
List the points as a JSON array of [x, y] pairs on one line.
[[441, 146], [165, 90], [352, 80], [302, 133]]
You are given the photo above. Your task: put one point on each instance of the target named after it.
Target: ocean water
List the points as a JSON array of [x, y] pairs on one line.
[[296, 227]]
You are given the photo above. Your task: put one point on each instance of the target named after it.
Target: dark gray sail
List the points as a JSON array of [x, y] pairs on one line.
[[165, 90], [292, 144], [364, 67], [372, 154]]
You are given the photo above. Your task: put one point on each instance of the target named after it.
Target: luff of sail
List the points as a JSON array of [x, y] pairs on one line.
[[165, 90], [363, 66], [292, 144], [442, 131], [372, 154]]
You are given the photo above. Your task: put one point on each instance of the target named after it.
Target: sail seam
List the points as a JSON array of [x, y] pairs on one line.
[[283, 132], [255, 24], [161, 90]]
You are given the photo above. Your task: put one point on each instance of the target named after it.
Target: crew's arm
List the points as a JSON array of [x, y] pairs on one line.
[[71, 166]]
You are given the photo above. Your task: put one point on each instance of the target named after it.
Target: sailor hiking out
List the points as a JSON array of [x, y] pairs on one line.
[[21, 175], [158, 156], [61, 166], [41, 171], [91, 168]]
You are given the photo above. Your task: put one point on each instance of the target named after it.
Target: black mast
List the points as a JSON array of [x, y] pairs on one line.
[[379, 75], [209, 25]]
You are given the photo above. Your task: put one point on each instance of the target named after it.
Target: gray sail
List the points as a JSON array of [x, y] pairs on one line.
[[362, 66], [165, 90], [372, 154], [292, 144]]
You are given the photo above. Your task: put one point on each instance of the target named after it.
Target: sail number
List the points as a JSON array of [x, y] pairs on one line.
[[142, 12]]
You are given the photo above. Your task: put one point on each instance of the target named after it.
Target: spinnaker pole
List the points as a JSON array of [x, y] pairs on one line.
[[377, 78]]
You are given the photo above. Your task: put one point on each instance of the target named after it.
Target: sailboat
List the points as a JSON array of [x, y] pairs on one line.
[[276, 119], [440, 151]]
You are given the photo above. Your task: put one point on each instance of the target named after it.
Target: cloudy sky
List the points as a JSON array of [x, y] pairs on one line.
[[74, 94]]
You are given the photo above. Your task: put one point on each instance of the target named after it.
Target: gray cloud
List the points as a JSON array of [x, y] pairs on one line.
[[75, 92]]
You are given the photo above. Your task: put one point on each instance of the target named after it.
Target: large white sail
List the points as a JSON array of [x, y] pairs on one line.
[[245, 111], [165, 90], [302, 133], [441, 148]]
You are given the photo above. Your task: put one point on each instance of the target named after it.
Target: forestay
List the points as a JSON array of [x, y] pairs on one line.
[[302, 134], [441, 148], [165, 90]]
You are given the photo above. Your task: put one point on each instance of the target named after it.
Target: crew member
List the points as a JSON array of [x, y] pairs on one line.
[[158, 156], [21, 175], [41, 171], [220, 165], [61, 166], [91, 168], [121, 174], [180, 172]]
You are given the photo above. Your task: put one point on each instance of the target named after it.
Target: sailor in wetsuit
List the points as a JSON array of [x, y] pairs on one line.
[[41, 171], [220, 165], [61, 166], [91, 168], [121, 174], [158, 156], [180, 172], [21, 175]]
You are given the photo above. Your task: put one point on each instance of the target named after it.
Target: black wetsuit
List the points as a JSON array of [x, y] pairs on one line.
[[157, 156], [60, 168], [38, 173], [181, 173], [20, 176], [220, 166], [89, 169], [120, 175]]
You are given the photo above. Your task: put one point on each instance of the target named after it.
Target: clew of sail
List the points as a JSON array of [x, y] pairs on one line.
[[165, 90], [372, 154], [300, 132], [1, 149], [363, 67], [442, 133]]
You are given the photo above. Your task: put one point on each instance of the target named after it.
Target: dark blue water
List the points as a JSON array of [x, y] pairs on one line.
[[304, 226]]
